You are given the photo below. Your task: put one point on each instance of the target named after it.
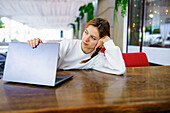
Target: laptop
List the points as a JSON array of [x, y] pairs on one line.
[[33, 65], [2, 63]]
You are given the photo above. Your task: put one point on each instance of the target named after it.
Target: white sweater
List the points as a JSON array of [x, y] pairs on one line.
[[71, 55]]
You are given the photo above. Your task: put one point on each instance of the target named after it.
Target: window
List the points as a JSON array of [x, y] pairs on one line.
[[149, 29], [157, 23]]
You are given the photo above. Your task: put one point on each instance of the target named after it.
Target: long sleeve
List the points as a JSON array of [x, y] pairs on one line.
[[112, 62], [64, 49], [71, 55]]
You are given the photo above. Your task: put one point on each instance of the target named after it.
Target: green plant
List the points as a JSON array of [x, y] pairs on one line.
[[78, 23], [14, 40], [74, 28], [3, 40], [82, 11], [148, 29], [120, 3], [156, 31], [89, 9], [1, 23]]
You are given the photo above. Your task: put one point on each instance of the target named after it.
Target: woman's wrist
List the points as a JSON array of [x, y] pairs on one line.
[[109, 44], [106, 38], [102, 41]]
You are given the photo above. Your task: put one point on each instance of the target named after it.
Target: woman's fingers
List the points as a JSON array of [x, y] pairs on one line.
[[35, 42], [32, 43], [40, 40], [28, 42], [100, 44], [102, 41]]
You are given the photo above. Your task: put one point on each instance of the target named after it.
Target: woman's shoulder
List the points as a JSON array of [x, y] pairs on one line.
[[70, 42]]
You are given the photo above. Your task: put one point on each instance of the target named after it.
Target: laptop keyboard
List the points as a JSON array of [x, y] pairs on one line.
[[1, 74], [58, 79], [62, 78]]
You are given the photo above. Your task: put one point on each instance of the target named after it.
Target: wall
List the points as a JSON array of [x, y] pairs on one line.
[[106, 11]]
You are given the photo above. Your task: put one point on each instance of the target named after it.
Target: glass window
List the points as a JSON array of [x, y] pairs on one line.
[[134, 25], [157, 23], [135, 22], [149, 29]]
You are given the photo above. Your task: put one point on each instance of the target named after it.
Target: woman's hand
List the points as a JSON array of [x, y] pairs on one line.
[[35, 42], [102, 41]]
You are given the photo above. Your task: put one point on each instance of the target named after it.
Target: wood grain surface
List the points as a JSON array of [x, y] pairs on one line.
[[140, 89]]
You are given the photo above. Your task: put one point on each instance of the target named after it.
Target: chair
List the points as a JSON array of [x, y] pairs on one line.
[[135, 59], [103, 49]]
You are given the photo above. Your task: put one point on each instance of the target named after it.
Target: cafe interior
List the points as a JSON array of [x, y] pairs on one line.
[[140, 28]]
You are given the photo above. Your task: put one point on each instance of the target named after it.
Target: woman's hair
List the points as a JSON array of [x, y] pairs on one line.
[[104, 30]]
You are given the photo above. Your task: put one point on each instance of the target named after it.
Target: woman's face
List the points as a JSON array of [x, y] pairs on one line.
[[90, 38]]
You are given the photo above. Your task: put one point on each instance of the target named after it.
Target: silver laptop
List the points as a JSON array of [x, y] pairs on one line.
[[33, 66]]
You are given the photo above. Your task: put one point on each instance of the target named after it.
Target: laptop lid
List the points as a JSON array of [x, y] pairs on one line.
[[33, 66]]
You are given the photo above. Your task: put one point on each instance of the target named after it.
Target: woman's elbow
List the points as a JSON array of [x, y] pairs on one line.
[[121, 70]]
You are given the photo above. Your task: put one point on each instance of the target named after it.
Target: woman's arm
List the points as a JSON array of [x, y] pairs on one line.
[[112, 62], [102, 41]]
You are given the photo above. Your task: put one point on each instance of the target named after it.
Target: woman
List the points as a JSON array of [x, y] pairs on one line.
[[85, 53]]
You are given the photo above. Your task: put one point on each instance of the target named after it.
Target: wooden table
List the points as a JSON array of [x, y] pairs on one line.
[[141, 89]]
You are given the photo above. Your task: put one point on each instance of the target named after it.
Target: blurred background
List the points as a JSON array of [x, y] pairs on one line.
[[136, 25]]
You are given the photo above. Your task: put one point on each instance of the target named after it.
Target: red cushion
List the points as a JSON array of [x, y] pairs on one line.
[[135, 59]]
